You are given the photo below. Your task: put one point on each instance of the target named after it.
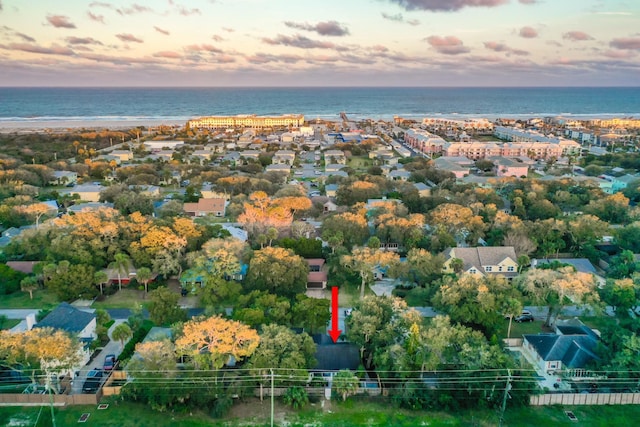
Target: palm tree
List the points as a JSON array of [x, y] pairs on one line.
[[144, 276], [122, 333], [121, 265], [100, 278], [29, 284]]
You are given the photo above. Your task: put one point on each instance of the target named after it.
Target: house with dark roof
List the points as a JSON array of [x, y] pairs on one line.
[[483, 260], [572, 346], [78, 323], [335, 356]]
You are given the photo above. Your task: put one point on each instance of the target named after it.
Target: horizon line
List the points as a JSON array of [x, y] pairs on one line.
[[322, 87]]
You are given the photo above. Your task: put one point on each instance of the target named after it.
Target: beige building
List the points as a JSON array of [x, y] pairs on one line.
[[214, 206], [483, 260], [248, 121]]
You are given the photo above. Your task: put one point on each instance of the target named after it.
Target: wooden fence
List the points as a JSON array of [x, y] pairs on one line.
[[46, 399], [111, 390], [585, 399]]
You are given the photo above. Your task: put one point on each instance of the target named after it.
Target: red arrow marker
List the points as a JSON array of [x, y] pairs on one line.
[[334, 332]]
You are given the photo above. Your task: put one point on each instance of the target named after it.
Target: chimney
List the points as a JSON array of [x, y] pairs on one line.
[[31, 321]]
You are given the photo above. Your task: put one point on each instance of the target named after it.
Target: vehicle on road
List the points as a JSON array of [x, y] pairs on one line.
[[92, 383], [109, 362]]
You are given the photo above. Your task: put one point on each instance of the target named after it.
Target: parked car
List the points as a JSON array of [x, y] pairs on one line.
[[526, 316], [92, 383], [109, 362]]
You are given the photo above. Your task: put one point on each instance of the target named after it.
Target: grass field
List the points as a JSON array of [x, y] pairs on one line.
[[9, 323], [519, 329], [351, 413], [126, 298], [42, 298]]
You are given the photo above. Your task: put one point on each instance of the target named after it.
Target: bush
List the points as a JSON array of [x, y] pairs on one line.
[[137, 337], [296, 397]]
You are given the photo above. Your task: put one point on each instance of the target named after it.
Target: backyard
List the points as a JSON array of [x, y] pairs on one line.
[[355, 412]]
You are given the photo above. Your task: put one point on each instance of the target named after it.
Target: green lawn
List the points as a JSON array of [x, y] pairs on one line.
[[126, 298], [359, 163], [9, 323], [42, 298], [519, 329], [351, 413]]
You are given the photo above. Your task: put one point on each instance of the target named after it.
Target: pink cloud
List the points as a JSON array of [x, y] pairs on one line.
[[619, 54], [54, 49], [449, 45], [96, 18], [60, 21], [161, 31], [203, 48], [577, 36], [299, 41], [528, 32], [626, 43], [82, 40], [447, 5], [167, 54], [501, 47], [129, 38]]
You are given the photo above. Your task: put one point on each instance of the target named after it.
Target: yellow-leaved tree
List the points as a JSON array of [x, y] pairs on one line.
[[214, 341]]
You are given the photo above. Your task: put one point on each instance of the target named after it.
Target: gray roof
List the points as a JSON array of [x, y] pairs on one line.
[[582, 265], [575, 351], [67, 318], [333, 357], [483, 256]]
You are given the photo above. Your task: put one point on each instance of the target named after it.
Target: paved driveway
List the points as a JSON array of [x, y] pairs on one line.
[[112, 347]]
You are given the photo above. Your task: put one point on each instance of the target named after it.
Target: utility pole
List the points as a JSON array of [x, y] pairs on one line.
[[271, 397], [506, 395], [53, 417]]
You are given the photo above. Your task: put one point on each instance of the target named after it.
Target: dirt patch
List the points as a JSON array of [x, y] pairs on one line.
[[253, 412]]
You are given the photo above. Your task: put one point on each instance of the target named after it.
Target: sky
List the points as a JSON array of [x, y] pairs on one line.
[[320, 43]]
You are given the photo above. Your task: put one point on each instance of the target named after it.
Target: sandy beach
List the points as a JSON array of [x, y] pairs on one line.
[[26, 126]]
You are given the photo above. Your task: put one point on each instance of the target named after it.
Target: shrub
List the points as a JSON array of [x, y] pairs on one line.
[[138, 336], [296, 397]]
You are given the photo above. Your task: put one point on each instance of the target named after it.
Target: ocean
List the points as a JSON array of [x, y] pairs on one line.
[[33, 107]]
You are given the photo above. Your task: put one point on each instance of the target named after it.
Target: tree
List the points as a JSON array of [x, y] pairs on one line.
[[511, 307], [212, 342], [351, 228], [36, 210], [29, 284], [10, 279], [311, 313], [345, 383], [53, 352], [296, 397], [121, 264], [586, 230], [557, 288], [144, 275], [423, 267], [278, 271], [261, 307], [163, 306], [364, 260], [459, 221], [122, 333], [100, 278], [70, 281], [620, 294]]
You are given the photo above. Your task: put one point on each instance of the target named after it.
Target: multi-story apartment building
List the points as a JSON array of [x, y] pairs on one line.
[[246, 121], [425, 142]]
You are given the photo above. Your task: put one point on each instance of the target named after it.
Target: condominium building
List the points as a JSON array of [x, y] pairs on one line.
[[247, 121]]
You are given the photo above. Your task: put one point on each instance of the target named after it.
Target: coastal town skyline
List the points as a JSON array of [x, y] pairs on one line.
[[330, 43]]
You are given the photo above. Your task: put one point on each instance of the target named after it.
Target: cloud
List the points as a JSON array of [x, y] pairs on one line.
[[265, 58], [299, 41], [60, 21], [528, 32], [328, 28], [228, 30], [619, 54], [449, 45], [203, 48], [96, 18], [25, 37], [133, 9], [54, 49], [0, 5], [528, 1], [217, 38], [167, 54], [398, 17], [129, 38], [161, 31], [101, 4], [501, 47], [447, 5], [626, 43], [82, 40], [577, 36], [186, 12]]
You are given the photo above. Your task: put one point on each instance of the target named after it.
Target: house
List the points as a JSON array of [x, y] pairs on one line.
[[332, 356], [281, 168], [399, 175], [213, 206], [25, 267], [66, 317], [122, 155], [335, 156], [572, 346], [284, 157], [167, 145], [508, 167], [423, 189], [87, 192], [316, 278], [125, 276], [333, 167], [483, 260], [331, 190], [443, 163], [90, 206], [250, 155], [329, 207]]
